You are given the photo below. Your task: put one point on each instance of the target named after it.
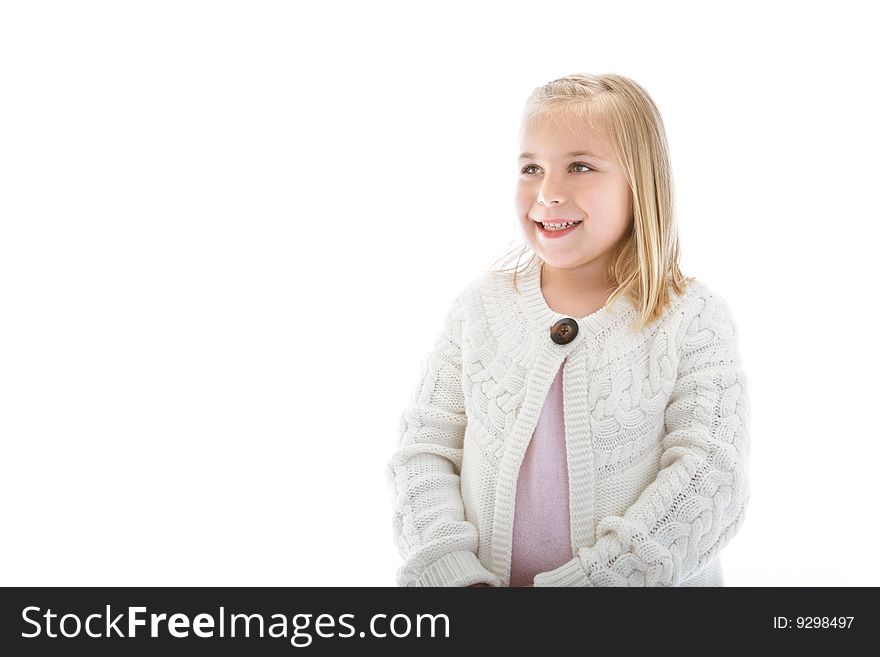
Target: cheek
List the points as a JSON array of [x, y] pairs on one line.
[[523, 198], [606, 204]]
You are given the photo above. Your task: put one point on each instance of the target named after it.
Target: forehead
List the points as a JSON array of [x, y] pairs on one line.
[[562, 138]]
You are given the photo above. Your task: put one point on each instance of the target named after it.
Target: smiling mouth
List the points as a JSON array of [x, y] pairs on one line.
[[557, 228]]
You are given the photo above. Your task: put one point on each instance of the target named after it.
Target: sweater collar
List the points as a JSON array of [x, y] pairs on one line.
[[532, 298]]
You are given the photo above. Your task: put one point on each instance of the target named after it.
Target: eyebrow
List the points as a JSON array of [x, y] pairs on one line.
[[531, 156]]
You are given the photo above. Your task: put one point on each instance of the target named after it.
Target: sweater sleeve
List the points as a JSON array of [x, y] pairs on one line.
[[438, 545], [697, 502]]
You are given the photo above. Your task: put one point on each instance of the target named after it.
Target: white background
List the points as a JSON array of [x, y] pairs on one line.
[[230, 231]]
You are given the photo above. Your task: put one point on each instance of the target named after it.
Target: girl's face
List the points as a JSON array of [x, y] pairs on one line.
[[572, 176]]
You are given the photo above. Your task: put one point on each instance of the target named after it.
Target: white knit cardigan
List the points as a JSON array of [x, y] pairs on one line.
[[656, 430]]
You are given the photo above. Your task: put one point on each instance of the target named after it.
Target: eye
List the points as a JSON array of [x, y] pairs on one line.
[[576, 164]]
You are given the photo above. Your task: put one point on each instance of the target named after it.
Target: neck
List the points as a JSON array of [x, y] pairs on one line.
[[586, 281]]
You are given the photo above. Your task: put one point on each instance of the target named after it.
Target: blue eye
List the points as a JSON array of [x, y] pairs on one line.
[[576, 164]]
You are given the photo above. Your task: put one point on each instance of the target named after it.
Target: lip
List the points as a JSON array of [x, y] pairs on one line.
[[556, 234]]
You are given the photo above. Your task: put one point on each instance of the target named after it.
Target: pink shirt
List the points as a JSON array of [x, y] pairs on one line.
[[541, 532]]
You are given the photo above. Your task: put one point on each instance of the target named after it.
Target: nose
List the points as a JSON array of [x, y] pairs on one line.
[[550, 192]]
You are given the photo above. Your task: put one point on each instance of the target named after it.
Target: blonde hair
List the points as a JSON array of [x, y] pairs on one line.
[[644, 265]]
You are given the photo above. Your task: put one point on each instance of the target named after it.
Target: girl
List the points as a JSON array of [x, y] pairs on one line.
[[584, 420]]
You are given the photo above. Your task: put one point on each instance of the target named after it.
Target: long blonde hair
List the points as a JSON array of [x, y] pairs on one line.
[[644, 265]]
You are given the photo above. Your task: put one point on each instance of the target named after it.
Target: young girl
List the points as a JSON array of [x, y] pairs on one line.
[[583, 421]]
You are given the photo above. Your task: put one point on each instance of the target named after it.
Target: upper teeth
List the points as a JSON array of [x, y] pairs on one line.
[[567, 224]]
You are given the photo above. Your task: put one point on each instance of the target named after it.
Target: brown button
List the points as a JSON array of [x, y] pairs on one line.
[[564, 331]]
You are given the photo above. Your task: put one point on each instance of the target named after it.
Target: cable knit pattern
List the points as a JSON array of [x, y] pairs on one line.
[[656, 430]]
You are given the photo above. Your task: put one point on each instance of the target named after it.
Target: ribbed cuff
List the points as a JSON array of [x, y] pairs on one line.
[[461, 568], [571, 573]]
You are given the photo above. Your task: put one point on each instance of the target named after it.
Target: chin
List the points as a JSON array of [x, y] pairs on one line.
[[565, 262]]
